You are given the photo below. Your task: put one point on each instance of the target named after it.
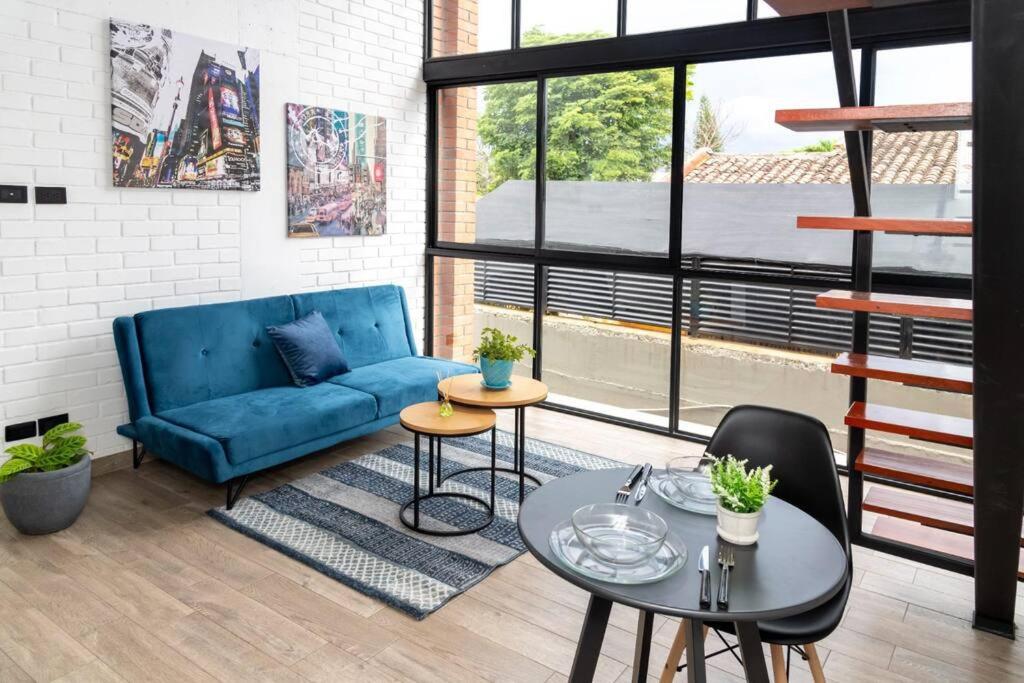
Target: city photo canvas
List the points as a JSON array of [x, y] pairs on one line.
[[337, 170], [184, 110]]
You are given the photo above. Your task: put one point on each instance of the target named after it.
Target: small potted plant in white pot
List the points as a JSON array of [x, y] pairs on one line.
[[497, 353], [742, 495], [44, 488]]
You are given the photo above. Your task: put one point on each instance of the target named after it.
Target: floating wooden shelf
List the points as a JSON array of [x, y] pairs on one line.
[[955, 431], [898, 118], [915, 469], [918, 373], [900, 226], [935, 540], [897, 304]]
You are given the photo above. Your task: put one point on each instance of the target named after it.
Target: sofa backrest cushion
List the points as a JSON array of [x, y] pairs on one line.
[[197, 353], [369, 322]]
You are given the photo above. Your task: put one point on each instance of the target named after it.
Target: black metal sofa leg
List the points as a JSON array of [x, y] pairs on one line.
[[138, 453], [234, 489]]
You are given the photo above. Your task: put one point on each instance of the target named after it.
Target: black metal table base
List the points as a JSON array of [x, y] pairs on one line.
[[418, 498], [518, 457]]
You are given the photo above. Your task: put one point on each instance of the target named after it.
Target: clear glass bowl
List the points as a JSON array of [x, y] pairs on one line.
[[619, 534], [682, 470]]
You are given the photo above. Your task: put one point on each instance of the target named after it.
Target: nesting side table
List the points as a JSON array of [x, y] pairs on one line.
[[469, 390], [424, 419]]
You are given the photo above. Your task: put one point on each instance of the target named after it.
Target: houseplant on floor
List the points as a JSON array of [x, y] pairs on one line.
[[741, 496], [496, 354], [44, 488]]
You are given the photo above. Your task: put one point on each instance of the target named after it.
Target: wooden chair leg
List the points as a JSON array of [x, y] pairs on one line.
[[812, 660], [675, 654], [779, 663]]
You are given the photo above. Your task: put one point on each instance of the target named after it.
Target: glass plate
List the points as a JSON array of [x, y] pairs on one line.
[[572, 554], [671, 494]]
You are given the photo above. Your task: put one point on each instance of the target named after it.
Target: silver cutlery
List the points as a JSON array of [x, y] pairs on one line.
[[622, 495], [727, 559], [642, 490], [704, 567]]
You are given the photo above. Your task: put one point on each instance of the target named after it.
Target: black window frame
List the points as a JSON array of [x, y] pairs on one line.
[[871, 30]]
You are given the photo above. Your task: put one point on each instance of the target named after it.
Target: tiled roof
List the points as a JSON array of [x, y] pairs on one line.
[[898, 159]]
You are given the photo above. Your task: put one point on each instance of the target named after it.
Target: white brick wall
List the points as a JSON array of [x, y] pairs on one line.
[[67, 271]]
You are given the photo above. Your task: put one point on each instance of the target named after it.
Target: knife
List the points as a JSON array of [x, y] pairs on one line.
[[704, 567], [642, 491]]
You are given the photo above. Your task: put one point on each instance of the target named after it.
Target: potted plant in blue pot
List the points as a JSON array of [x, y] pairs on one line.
[[43, 488], [497, 353]]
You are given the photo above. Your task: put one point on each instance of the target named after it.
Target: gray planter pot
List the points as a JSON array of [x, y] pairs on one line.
[[45, 502]]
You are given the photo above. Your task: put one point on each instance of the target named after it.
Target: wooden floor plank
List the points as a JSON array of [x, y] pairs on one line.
[[254, 614]]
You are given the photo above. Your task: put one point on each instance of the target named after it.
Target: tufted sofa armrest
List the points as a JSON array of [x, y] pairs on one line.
[[126, 340]]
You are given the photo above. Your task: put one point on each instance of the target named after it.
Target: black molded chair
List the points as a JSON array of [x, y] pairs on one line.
[[800, 453]]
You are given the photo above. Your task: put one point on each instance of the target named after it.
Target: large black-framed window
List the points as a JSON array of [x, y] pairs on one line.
[[670, 270]]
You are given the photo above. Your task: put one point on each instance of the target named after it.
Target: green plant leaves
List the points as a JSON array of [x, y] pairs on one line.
[[13, 467], [25, 451], [739, 490], [60, 430], [496, 345], [61, 447]]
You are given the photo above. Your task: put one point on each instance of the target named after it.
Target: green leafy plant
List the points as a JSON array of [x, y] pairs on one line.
[[61, 448], [740, 490], [496, 345], [819, 146]]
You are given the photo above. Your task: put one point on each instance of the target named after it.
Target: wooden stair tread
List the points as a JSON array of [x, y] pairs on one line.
[[904, 226], [929, 538], [788, 8], [895, 118], [917, 424], [918, 373], [915, 469], [941, 513], [897, 304]]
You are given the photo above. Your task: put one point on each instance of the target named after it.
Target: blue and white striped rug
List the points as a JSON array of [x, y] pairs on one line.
[[343, 521]]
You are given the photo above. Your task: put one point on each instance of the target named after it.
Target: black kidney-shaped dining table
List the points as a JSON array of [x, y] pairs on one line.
[[796, 565]]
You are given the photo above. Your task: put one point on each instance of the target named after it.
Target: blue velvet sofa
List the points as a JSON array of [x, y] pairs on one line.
[[208, 391]]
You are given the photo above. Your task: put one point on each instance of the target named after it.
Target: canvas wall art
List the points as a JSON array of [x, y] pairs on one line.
[[337, 171], [184, 110]]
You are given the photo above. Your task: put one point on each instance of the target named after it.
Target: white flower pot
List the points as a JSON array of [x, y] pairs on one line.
[[739, 528]]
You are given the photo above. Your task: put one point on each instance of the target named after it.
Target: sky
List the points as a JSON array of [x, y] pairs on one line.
[[748, 92]]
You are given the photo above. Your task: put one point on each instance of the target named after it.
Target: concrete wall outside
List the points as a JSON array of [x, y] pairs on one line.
[[625, 371]]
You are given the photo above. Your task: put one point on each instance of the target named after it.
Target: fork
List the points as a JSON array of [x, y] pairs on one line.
[[622, 495], [727, 559]]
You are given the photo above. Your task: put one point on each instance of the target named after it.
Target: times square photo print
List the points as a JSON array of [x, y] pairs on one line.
[[337, 170], [184, 110]]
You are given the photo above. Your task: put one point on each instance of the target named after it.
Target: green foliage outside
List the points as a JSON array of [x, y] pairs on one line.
[[603, 127], [739, 490], [707, 132], [496, 345], [819, 146], [61, 448]]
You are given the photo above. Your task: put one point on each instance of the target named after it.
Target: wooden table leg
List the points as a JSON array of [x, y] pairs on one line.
[[695, 669], [750, 648], [591, 637], [642, 654]]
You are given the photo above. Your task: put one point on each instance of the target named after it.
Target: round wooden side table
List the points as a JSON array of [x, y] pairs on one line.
[[469, 390], [424, 419]]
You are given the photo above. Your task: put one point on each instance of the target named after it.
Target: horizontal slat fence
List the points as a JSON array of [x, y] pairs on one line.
[[767, 314]]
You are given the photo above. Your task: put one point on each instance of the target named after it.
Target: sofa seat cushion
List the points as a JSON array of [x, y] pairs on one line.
[[267, 420], [401, 382]]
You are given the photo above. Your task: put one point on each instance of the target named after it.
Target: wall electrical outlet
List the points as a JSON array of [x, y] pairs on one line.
[[17, 432], [13, 194], [48, 423], [51, 195]]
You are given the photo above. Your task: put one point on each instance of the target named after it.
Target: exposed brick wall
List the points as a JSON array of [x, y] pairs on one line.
[[67, 271]]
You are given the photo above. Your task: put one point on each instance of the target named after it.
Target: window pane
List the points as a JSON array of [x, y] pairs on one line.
[[469, 26], [923, 175], [607, 343], [471, 295], [770, 345], [609, 139], [486, 162], [566, 21], [645, 16], [747, 178], [764, 10]]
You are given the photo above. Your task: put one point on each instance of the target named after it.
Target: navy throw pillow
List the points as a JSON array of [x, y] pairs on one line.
[[309, 349]]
